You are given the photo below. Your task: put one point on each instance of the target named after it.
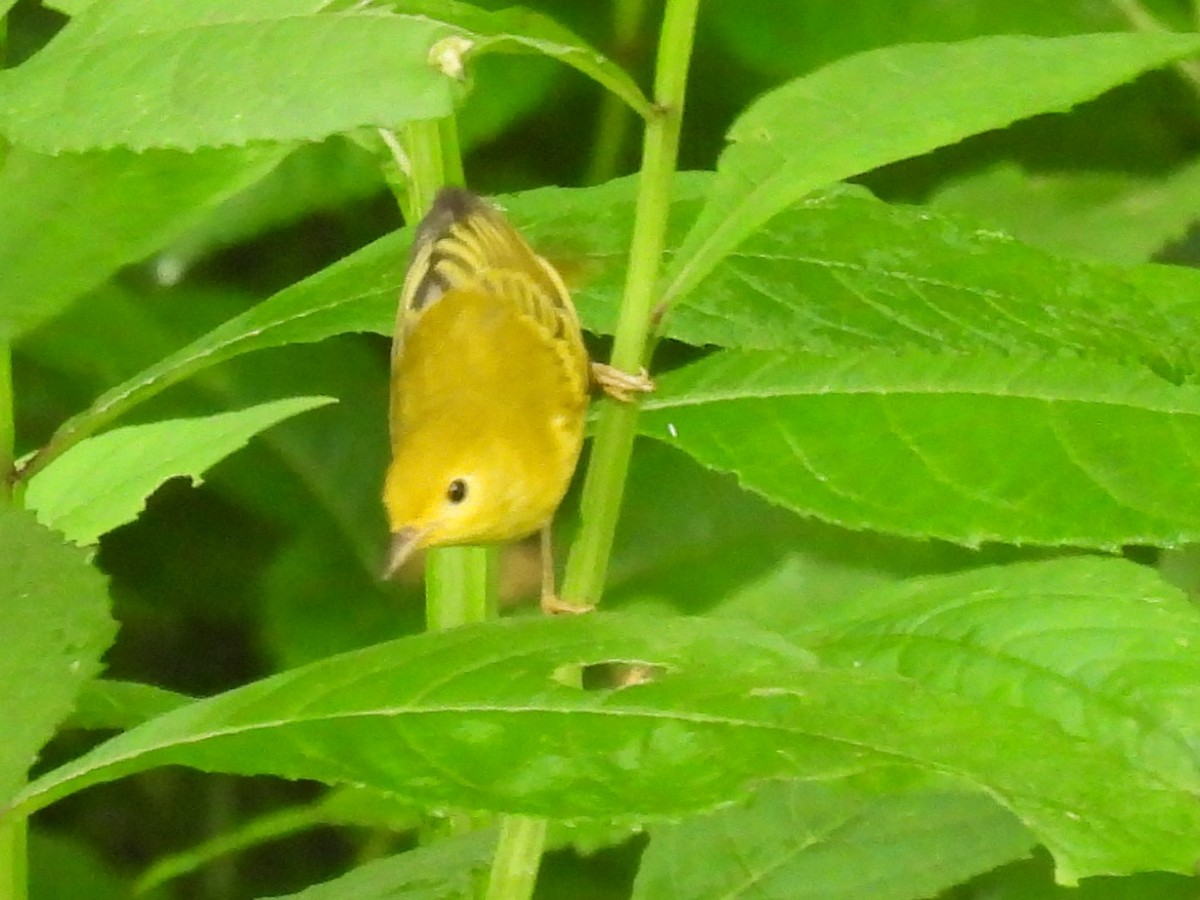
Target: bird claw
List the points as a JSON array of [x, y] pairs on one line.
[[621, 385], [553, 605]]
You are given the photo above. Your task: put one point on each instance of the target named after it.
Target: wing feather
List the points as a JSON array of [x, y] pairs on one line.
[[465, 243]]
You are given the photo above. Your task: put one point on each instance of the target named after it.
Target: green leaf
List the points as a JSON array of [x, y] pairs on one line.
[[1106, 646], [357, 293], [141, 74], [104, 482], [965, 448], [440, 871], [843, 272], [830, 841], [1102, 215], [67, 866], [519, 30], [105, 703], [102, 211], [894, 103], [56, 626], [440, 718], [763, 33]]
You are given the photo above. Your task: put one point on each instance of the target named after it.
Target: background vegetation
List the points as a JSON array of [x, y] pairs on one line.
[[904, 550]]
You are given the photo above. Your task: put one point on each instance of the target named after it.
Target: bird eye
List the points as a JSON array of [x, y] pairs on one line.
[[457, 491]]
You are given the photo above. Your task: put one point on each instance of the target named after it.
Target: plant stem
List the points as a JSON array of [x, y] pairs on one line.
[[1143, 20], [518, 855], [8, 430], [522, 839], [459, 586], [617, 422], [616, 118], [14, 873]]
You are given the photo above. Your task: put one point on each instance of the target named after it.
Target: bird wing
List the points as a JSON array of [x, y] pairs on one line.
[[464, 243]]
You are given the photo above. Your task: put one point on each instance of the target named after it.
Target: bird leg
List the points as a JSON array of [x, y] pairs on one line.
[[552, 604]]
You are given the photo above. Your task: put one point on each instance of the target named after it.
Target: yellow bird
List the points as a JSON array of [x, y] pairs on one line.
[[489, 388]]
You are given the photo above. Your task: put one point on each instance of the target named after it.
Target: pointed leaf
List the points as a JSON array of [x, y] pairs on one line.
[[830, 841], [843, 272], [56, 626], [519, 30], [1106, 647], [103, 482], [175, 74], [894, 103], [103, 211], [965, 448], [438, 718]]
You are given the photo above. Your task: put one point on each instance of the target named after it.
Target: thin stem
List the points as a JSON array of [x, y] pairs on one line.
[[8, 430], [616, 118], [14, 868], [522, 840], [422, 142], [616, 426], [1143, 20], [518, 855], [14, 872], [460, 586]]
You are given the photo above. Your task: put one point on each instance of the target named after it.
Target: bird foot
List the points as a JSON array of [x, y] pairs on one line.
[[621, 385]]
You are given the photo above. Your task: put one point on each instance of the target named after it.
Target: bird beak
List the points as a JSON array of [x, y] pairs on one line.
[[404, 542]]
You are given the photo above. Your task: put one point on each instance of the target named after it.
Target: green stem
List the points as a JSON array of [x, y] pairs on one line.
[[617, 422], [460, 586], [616, 118], [522, 840], [1143, 20], [8, 430], [14, 873], [518, 855]]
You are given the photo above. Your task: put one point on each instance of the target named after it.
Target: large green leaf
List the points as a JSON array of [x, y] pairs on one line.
[[103, 482], [54, 608], [830, 841], [965, 448], [147, 73], [1102, 215], [894, 103], [1106, 646], [763, 33], [101, 211], [439, 718], [356, 294], [142, 74], [359, 293], [842, 272]]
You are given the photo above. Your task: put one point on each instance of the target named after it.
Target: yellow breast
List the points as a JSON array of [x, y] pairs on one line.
[[489, 385]]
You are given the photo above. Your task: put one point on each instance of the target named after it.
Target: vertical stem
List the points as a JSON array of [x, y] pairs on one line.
[[14, 872], [514, 868], [8, 430], [460, 586], [616, 118], [14, 875], [616, 426], [518, 855]]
